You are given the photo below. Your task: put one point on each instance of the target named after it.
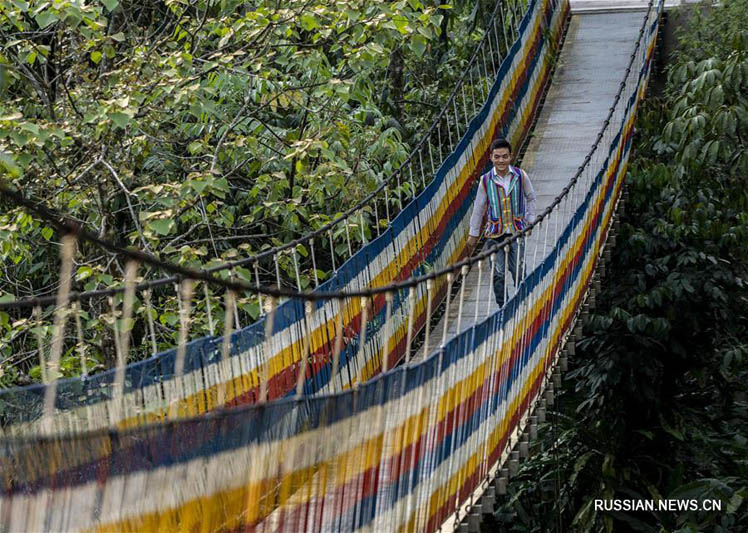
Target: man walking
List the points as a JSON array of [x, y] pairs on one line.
[[504, 205]]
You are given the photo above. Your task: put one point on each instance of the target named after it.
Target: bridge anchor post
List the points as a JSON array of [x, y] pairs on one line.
[[513, 463], [502, 481], [534, 427], [488, 500], [549, 395], [524, 445]]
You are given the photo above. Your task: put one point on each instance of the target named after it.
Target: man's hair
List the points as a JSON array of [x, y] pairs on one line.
[[501, 142]]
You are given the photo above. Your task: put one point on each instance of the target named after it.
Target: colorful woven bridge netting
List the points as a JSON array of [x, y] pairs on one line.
[[305, 420]]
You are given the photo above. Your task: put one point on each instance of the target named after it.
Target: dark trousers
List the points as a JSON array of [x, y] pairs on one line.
[[512, 261]]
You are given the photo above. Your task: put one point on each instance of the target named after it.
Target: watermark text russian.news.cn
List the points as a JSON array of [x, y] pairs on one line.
[[657, 505]]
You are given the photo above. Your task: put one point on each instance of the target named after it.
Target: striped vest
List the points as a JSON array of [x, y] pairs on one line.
[[506, 211]]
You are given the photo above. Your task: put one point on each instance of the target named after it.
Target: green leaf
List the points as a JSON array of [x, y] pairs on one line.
[[109, 51], [83, 273], [8, 166], [308, 22], [169, 318], [198, 186], [45, 18], [96, 57], [120, 119], [47, 233], [401, 23], [163, 226], [734, 503], [119, 37], [418, 44], [111, 5]]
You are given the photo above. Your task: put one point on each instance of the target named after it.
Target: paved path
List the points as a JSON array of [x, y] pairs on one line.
[[591, 66], [600, 6]]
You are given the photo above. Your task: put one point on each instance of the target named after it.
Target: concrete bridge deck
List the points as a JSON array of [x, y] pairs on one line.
[[591, 66]]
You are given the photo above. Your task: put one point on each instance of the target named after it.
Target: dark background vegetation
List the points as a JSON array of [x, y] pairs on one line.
[[654, 405]]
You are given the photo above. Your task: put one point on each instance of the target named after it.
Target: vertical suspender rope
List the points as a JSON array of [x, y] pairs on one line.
[[257, 283], [472, 93], [387, 331], [123, 344], [361, 221], [332, 250], [81, 343], [429, 296], [439, 139], [464, 272], [296, 269], [478, 290], [450, 280], [496, 38], [457, 121], [40, 344], [464, 104], [348, 239], [149, 315], [411, 311], [420, 166], [503, 17], [490, 52], [307, 350], [186, 289], [67, 253], [208, 309], [277, 272], [487, 79], [314, 263], [338, 342], [237, 324], [399, 191], [362, 332], [226, 346], [431, 158], [376, 215], [387, 204], [268, 355]]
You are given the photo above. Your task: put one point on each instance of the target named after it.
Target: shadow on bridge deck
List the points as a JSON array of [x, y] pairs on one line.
[[590, 69]]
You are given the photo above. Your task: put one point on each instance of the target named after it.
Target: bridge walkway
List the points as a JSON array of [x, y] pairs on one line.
[[590, 69]]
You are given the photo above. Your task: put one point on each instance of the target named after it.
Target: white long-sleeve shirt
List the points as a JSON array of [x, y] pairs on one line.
[[481, 201]]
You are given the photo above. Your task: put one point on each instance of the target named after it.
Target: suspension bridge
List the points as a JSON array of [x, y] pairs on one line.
[[352, 406]]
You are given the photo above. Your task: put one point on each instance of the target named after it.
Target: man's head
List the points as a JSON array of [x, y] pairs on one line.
[[501, 155]]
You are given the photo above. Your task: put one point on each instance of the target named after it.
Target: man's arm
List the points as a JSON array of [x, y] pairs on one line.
[[529, 192], [476, 219]]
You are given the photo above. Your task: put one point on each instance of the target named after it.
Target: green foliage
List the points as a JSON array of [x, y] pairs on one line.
[[203, 132], [658, 402]]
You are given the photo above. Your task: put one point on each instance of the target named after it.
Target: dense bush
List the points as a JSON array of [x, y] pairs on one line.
[[657, 406]]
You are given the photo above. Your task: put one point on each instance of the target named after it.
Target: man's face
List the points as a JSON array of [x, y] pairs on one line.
[[501, 157]]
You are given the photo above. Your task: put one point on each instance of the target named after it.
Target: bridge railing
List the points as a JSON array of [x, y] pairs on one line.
[[428, 234], [404, 450]]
